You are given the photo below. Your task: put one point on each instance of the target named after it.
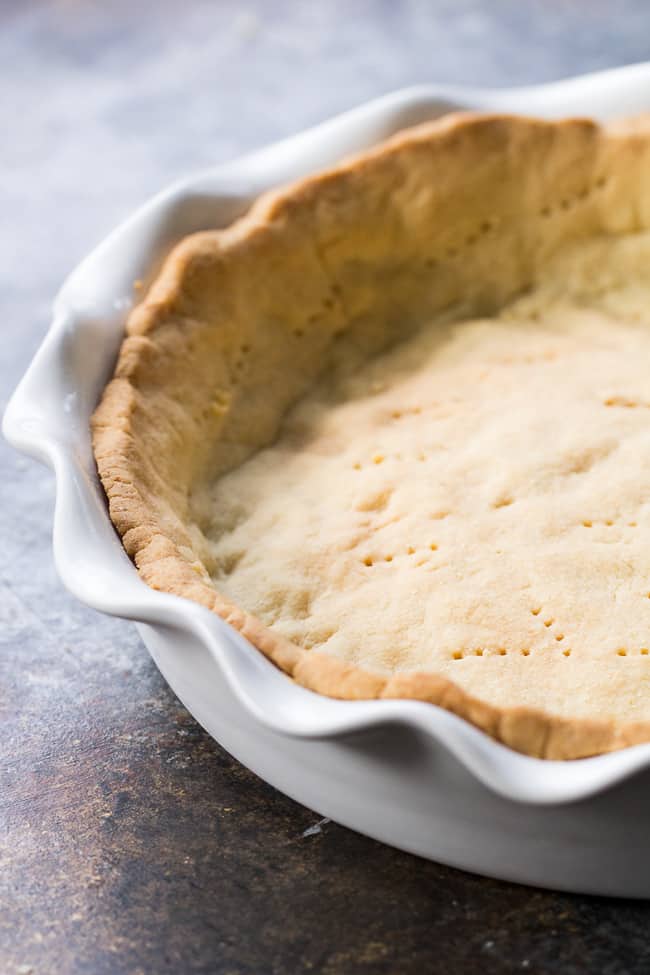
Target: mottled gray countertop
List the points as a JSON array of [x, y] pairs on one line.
[[129, 841]]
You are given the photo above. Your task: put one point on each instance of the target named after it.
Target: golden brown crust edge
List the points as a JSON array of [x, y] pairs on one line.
[[527, 730], [159, 544]]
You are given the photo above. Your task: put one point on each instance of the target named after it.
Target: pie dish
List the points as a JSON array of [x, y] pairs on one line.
[[401, 771], [391, 425]]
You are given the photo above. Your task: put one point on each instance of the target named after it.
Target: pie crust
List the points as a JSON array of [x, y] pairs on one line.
[[393, 425]]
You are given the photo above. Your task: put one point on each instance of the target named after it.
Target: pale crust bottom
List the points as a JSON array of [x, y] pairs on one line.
[[511, 441]]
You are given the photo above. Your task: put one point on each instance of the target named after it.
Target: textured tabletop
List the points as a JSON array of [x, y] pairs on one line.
[[129, 841]]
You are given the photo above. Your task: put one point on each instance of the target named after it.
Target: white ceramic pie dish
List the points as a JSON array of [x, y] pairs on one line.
[[407, 773]]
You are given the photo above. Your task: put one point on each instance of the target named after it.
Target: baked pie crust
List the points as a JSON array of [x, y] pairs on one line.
[[393, 425]]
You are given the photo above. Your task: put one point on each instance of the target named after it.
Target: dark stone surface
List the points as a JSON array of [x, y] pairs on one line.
[[129, 841]]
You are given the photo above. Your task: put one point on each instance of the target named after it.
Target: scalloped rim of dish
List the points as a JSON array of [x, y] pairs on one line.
[[48, 416]]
